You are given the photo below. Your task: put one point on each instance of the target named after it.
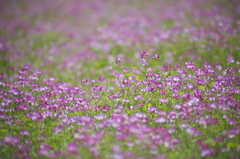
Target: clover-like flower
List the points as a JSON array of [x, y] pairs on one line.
[[143, 53], [118, 60], [156, 56]]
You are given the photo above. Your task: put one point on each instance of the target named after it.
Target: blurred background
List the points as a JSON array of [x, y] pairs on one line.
[[77, 39]]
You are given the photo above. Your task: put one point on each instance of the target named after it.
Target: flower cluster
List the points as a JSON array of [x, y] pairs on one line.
[[87, 90]]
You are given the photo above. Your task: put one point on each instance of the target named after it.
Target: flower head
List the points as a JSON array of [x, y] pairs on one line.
[[143, 53], [156, 56], [118, 60]]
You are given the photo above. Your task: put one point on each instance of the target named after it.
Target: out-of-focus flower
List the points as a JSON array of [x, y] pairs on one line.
[[118, 60]]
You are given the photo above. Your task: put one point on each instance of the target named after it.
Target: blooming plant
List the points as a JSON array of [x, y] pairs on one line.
[[81, 86]]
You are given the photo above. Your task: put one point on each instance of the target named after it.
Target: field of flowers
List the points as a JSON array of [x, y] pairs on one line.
[[120, 79]]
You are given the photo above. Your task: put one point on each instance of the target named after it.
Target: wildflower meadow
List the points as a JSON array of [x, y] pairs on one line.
[[120, 79]]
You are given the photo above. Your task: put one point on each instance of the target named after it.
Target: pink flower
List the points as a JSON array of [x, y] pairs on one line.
[[72, 148], [143, 53], [24, 132], [11, 140], [101, 78], [156, 56], [118, 60]]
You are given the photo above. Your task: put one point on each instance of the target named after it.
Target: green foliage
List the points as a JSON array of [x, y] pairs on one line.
[[42, 40]]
